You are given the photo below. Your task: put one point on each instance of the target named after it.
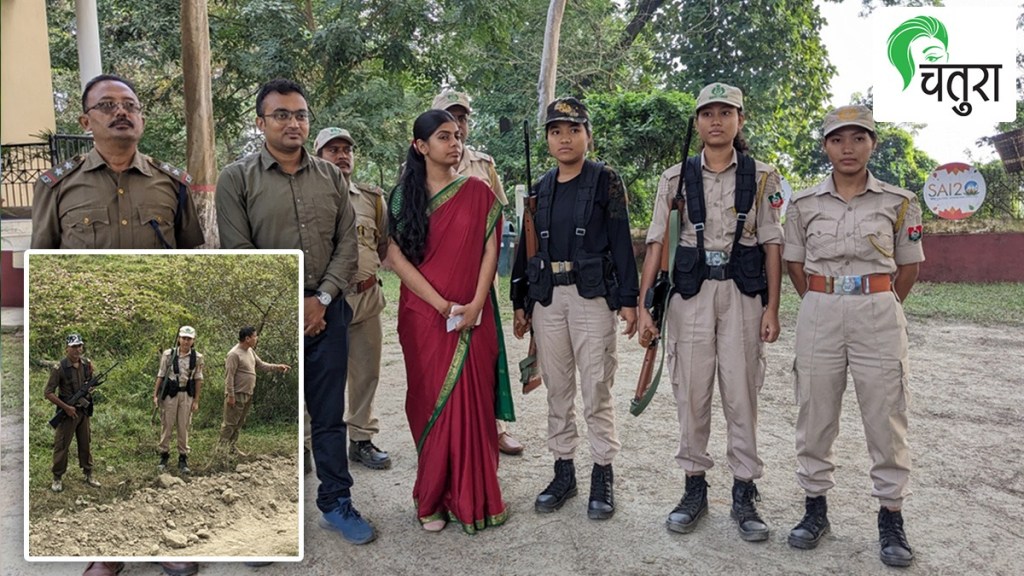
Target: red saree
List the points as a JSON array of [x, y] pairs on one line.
[[450, 397]]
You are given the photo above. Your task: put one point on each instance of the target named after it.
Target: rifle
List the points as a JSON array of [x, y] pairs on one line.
[[657, 297], [88, 387], [529, 371]]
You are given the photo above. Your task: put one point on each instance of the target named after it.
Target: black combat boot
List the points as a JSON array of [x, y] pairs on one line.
[[183, 464], [752, 528], [561, 488], [694, 504], [893, 540], [602, 498], [364, 452], [814, 525], [164, 457]]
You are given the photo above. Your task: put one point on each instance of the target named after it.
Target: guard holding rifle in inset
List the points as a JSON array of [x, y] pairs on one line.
[[69, 389], [724, 301], [176, 393], [583, 273]]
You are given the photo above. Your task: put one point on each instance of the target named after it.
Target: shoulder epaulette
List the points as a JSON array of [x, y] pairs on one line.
[[800, 194], [57, 173], [172, 171], [886, 187], [371, 188], [673, 171], [478, 155]]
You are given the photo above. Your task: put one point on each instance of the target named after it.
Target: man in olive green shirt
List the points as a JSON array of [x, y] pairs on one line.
[[282, 197]]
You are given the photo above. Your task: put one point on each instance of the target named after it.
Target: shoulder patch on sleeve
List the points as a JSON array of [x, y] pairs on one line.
[[172, 171], [54, 175]]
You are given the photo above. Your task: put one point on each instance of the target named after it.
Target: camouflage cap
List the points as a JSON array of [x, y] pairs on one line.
[[719, 92], [448, 98], [187, 331], [328, 134], [567, 110], [74, 340], [858, 115]]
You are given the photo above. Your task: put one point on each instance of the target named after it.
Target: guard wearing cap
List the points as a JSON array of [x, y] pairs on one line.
[[853, 252], [114, 196], [366, 298], [724, 304], [481, 165], [67, 377], [179, 382], [584, 272]]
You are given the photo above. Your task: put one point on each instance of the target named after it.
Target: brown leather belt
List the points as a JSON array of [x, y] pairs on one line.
[[366, 284], [850, 285]]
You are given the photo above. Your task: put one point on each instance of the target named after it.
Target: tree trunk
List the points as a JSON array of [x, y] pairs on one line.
[[549, 58], [199, 147]]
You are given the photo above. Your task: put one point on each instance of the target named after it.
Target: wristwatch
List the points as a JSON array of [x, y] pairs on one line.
[[324, 298]]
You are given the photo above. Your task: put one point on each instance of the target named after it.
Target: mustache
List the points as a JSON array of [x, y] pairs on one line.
[[120, 122]]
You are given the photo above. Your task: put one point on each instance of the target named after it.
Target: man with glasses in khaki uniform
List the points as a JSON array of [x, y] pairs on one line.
[[114, 196], [481, 165], [853, 251]]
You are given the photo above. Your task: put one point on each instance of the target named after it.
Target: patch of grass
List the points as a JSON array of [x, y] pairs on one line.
[[124, 440], [12, 394], [975, 303]]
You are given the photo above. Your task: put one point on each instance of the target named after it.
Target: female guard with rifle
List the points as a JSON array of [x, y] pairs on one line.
[[724, 301], [583, 272]]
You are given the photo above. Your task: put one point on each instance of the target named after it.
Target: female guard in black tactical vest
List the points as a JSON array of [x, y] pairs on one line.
[[724, 302], [584, 271]]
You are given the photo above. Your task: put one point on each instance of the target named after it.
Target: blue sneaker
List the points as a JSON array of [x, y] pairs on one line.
[[346, 520]]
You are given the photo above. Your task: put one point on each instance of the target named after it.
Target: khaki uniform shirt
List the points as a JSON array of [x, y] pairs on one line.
[[85, 204], [183, 363], [240, 371], [763, 221], [259, 206], [482, 166], [63, 387], [371, 228], [835, 238]]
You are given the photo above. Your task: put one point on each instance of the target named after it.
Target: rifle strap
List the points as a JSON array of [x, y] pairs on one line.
[[672, 237]]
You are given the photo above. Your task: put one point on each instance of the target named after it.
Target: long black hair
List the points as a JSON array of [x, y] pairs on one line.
[[408, 207]]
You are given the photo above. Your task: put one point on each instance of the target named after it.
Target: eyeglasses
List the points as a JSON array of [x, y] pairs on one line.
[[282, 116], [110, 107]]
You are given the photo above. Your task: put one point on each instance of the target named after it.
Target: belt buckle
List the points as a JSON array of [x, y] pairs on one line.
[[851, 285], [716, 258], [561, 267]]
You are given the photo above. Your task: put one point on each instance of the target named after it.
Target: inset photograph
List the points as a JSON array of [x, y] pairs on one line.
[[162, 405]]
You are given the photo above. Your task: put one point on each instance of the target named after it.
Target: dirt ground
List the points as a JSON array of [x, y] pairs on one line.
[[966, 515], [252, 510]]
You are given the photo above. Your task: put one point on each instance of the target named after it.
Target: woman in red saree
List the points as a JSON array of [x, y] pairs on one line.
[[445, 251]]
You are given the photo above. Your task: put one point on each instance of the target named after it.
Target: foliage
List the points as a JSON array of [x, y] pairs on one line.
[[129, 308], [641, 135], [372, 65]]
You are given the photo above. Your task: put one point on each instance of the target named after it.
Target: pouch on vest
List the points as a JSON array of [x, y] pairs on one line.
[[171, 387], [539, 279], [748, 271], [689, 271], [590, 280]]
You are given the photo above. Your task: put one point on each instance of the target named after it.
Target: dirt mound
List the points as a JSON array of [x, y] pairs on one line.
[[252, 510]]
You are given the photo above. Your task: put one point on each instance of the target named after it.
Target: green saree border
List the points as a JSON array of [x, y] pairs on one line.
[[454, 371], [445, 194]]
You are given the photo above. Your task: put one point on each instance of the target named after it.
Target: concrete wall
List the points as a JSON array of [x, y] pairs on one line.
[[26, 88]]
